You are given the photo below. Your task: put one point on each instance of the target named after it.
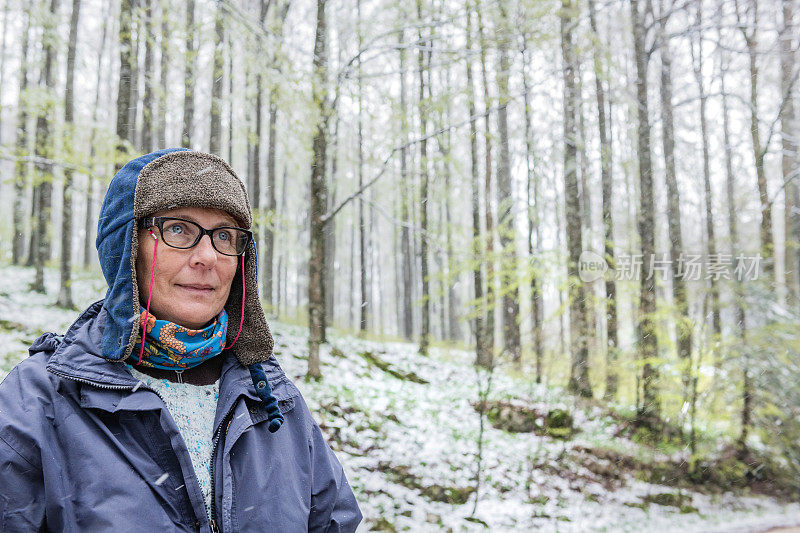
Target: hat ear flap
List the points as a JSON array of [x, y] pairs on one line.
[[255, 342]]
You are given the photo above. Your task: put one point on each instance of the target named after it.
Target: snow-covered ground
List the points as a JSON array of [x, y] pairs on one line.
[[409, 442]]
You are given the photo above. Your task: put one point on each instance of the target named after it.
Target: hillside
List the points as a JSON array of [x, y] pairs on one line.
[[406, 429]]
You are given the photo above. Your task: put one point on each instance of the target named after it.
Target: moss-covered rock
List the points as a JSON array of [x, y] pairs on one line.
[[514, 418], [402, 475], [559, 424], [451, 495]]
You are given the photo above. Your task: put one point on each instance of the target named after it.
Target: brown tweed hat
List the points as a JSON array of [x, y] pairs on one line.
[[195, 179]]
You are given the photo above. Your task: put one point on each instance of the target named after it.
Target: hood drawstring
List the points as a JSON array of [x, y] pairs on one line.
[[149, 292], [260, 382], [264, 392]]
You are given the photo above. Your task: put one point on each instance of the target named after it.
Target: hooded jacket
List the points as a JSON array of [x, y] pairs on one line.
[[85, 447]]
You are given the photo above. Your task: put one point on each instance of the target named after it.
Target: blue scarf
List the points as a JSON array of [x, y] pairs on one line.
[[169, 346]]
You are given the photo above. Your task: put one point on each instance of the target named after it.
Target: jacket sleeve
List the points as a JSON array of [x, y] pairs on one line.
[[22, 501], [333, 505]]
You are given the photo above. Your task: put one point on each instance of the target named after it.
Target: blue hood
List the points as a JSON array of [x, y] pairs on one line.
[[114, 242]]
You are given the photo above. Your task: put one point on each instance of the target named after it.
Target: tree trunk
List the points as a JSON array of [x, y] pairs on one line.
[[733, 230], [319, 200], [149, 65], [649, 411], [683, 322], [44, 150], [255, 192], [585, 203], [90, 220], [491, 299], [21, 167], [231, 92], [423, 170], [362, 230], [163, 72], [136, 35], [330, 229], [453, 330], [405, 235], [789, 165], [509, 281], [603, 125], [759, 151], [189, 77], [269, 229], [534, 229], [124, 88], [6, 10], [215, 130], [65, 292], [34, 236], [579, 368], [716, 323]]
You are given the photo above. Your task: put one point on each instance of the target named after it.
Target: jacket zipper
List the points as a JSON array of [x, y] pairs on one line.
[[211, 522]]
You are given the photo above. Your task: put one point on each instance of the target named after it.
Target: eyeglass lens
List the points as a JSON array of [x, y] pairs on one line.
[[184, 234]]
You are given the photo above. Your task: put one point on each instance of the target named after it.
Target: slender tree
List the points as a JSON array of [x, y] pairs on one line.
[[747, 18], [90, 219], [6, 10], [363, 252], [405, 233], [534, 221], [164, 65], [190, 66], [603, 125], [505, 220], [44, 151], [789, 163], [741, 318], [679, 297], [124, 87], [148, 144], [716, 321], [319, 200], [21, 167], [579, 368], [215, 130], [423, 171], [649, 411], [491, 298], [272, 148], [65, 292]]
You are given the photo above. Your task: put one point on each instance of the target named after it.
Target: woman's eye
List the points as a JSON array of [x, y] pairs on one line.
[[223, 235], [177, 229]]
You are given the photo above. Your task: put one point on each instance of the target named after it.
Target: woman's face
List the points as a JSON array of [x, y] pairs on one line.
[[190, 287]]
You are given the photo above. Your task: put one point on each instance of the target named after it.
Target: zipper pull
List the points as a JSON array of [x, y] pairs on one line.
[[180, 375], [213, 524]]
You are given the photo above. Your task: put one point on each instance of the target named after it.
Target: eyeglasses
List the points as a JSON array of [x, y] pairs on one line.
[[183, 234]]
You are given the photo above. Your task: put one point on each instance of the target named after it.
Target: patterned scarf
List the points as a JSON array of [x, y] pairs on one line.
[[169, 346]]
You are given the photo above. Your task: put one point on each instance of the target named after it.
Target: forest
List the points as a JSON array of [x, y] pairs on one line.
[[594, 196]]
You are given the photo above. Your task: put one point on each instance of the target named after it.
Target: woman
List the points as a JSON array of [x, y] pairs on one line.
[[162, 408]]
